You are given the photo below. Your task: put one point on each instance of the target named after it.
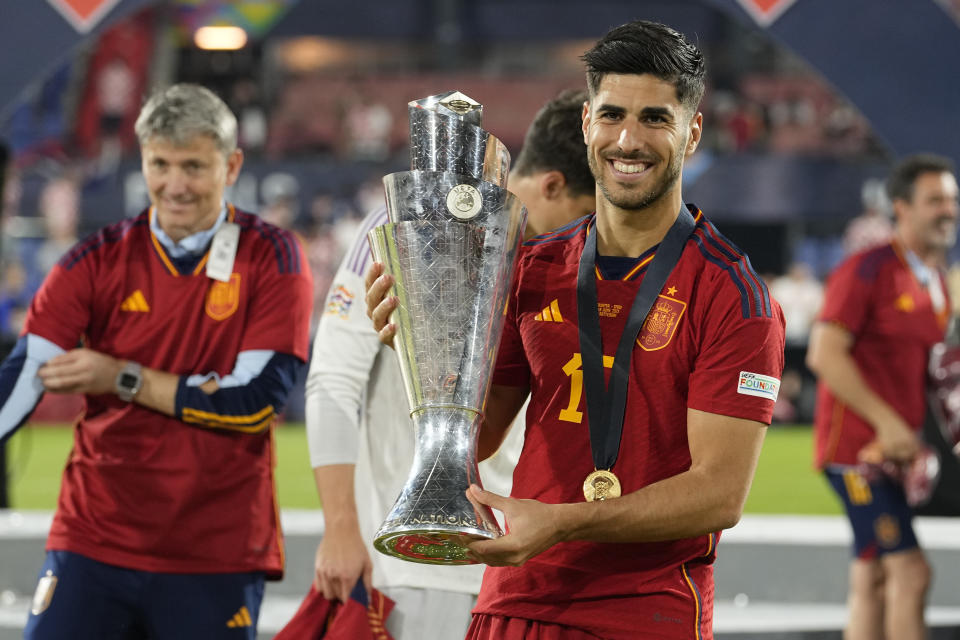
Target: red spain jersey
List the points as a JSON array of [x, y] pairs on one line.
[[875, 296], [713, 341], [143, 490]]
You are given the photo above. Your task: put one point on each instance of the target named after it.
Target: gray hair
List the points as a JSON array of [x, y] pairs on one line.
[[182, 111]]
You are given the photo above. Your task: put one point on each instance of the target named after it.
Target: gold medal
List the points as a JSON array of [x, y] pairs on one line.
[[601, 485]]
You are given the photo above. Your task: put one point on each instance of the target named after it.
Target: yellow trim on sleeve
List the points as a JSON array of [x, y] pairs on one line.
[[247, 424]]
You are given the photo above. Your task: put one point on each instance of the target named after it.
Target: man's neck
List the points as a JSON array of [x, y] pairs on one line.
[[524, 188], [930, 256], [179, 241], [626, 232]]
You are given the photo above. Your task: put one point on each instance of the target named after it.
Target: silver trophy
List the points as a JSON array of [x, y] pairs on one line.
[[451, 243]]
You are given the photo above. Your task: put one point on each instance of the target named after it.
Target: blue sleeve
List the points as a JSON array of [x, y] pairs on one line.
[[248, 399], [20, 388]]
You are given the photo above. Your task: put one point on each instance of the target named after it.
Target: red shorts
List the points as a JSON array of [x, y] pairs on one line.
[[681, 610], [490, 627]]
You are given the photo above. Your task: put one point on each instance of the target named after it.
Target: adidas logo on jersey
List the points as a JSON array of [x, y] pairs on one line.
[[241, 619], [550, 313], [135, 302]]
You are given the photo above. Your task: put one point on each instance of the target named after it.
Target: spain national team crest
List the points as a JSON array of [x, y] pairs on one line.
[[223, 298], [661, 323], [887, 530]]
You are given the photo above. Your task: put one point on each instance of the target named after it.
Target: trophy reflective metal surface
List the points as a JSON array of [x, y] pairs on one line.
[[451, 243]]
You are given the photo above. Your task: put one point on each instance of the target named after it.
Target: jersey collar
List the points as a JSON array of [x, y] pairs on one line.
[[193, 244]]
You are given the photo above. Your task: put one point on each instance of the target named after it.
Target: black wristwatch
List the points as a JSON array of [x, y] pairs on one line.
[[129, 381]]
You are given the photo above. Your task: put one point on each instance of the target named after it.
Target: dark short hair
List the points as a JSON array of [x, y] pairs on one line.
[[903, 176], [648, 47], [554, 142]]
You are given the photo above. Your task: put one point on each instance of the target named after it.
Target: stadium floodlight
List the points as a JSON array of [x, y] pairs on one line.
[[221, 38]]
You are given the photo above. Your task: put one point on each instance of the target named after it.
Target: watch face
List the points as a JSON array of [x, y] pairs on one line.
[[128, 380]]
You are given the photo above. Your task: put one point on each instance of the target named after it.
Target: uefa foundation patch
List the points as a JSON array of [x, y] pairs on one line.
[[756, 384]]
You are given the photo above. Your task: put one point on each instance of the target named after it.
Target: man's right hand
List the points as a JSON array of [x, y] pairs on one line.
[[829, 357], [896, 440], [379, 304], [341, 559]]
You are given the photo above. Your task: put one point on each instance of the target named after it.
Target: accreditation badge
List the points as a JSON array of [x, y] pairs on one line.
[[223, 252], [601, 485], [44, 593]]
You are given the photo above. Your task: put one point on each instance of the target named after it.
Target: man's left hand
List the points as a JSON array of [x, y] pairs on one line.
[[534, 527], [80, 371]]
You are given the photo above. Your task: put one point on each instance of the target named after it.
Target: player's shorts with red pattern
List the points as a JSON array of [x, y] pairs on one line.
[[488, 627], [683, 610]]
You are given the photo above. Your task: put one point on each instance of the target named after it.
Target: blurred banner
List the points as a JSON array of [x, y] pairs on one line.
[[82, 14], [765, 12], [39, 37], [116, 80], [892, 59], [253, 16]]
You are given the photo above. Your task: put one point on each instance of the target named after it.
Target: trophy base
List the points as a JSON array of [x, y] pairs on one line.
[[430, 546]]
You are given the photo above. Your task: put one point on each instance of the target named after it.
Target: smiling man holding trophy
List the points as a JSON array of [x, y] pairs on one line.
[[651, 353], [451, 244], [359, 431]]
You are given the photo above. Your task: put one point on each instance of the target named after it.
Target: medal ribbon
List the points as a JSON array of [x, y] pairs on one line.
[[606, 404]]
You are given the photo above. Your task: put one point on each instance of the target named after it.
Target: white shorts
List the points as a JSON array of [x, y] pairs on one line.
[[428, 613]]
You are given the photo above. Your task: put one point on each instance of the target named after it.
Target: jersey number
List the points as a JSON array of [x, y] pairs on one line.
[[574, 371]]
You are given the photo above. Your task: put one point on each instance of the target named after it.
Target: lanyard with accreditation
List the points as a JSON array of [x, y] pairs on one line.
[[606, 403]]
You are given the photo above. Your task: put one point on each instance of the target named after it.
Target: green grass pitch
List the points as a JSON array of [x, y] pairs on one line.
[[785, 481]]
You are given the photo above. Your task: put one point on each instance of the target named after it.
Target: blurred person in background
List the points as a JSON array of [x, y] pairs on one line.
[[358, 426], [60, 210], [801, 295], [884, 308], [873, 226], [367, 124], [192, 319], [116, 87], [14, 299], [251, 116], [618, 498]]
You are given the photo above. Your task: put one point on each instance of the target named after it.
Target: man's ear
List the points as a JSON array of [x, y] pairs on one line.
[[585, 121], [696, 130], [552, 184], [234, 164], [899, 206]]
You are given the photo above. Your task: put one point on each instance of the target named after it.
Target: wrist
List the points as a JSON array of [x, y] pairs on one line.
[[341, 521], [567, 520], [882, 418]]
